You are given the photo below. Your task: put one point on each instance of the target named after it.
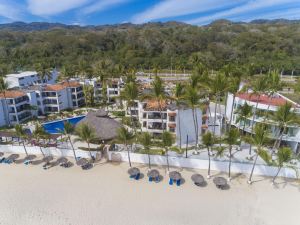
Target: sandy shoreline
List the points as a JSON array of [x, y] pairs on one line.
[[105, 195]]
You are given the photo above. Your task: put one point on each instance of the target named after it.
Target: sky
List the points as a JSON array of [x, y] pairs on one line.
[[97, 12]]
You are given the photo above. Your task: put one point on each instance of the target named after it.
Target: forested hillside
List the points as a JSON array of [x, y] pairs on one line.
[[259, 45]]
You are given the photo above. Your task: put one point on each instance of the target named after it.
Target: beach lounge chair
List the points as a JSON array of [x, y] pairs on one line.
[[132, 176], [178, 182], [150, 179], [27, 162], [2, 160], [171, 181], [157, 179], [137, 177]]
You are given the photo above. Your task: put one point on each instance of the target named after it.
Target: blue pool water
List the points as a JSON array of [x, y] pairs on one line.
[[55, 126]]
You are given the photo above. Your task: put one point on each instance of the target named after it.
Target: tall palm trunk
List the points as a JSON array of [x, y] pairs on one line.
[[168, 165], [276, 175], [179, 128], [149, 164], [208, 171], [252, 170], [231, 113], [225, 111], [90, 150], [195, 126], [215, 116], [128, 154], [252, 122], [25, 148], [69, 138], [229, 165]]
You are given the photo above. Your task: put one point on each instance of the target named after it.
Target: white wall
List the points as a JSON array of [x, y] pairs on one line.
[[48, 151], [203, 164]]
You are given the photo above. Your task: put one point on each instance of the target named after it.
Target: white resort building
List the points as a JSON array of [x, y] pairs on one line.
[[265, 104], [16, 106], [29, 78], [113, 88], [178, 121]]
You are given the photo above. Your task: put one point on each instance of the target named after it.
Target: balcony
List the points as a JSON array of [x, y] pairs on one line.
[[156, 126]]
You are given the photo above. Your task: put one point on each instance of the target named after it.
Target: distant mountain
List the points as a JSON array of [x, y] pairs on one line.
[[42, 26], [35, 26]]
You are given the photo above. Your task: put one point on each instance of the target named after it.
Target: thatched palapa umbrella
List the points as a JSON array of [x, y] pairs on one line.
[[105, 127]]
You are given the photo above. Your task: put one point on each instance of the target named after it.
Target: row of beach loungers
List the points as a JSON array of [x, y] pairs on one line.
[[176, 178]]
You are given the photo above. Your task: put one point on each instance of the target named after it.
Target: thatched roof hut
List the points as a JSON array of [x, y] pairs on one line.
[[104, 126]]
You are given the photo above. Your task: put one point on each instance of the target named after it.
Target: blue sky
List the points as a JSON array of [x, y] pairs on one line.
[[197, 12]]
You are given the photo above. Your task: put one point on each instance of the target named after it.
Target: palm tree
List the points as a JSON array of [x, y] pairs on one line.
[[243, 112], [274, 84], [259, 87], [158, 94], [284, 117], [130, 94], [167, 141], [178, 97], [125, 137], [43, 72], [218, 86], [193, 100], [39, 133], [260, 139], [88, 91], [284, 155], [67, 131], [85, 134], [234, 85], [231, 138], [20, 132], [3, 88], [208, 140], [145, 140]]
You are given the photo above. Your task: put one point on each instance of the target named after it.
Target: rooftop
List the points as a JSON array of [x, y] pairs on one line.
[[22, 74], [277, 100], [12, 94]]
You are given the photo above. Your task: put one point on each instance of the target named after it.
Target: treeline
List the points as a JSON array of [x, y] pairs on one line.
[[256, 47]]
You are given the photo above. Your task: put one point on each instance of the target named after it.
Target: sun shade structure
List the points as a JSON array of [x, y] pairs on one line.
[[82, 162], [48, 158], [153, 173], [174, 175], [133, 171], [197, 178], [220, 181], [29, 157], [13, 157], [105, 127], [62, 160]]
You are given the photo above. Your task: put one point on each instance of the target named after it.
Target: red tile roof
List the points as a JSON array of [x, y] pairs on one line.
[[263, 99], [61, 86], [12, 94], [71, 84], [54, 87], [153, 105]]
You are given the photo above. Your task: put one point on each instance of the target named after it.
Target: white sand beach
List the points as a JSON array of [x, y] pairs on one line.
[[105, 195]]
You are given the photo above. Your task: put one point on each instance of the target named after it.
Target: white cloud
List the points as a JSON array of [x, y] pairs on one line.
[[251, 7], [10, 11], [173, 8], [102, 5], [52, 7]]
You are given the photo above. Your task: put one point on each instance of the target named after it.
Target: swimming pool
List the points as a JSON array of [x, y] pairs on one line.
[[55, 126]]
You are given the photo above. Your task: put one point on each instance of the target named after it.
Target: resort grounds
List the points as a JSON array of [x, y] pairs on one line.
[[106, 195]]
